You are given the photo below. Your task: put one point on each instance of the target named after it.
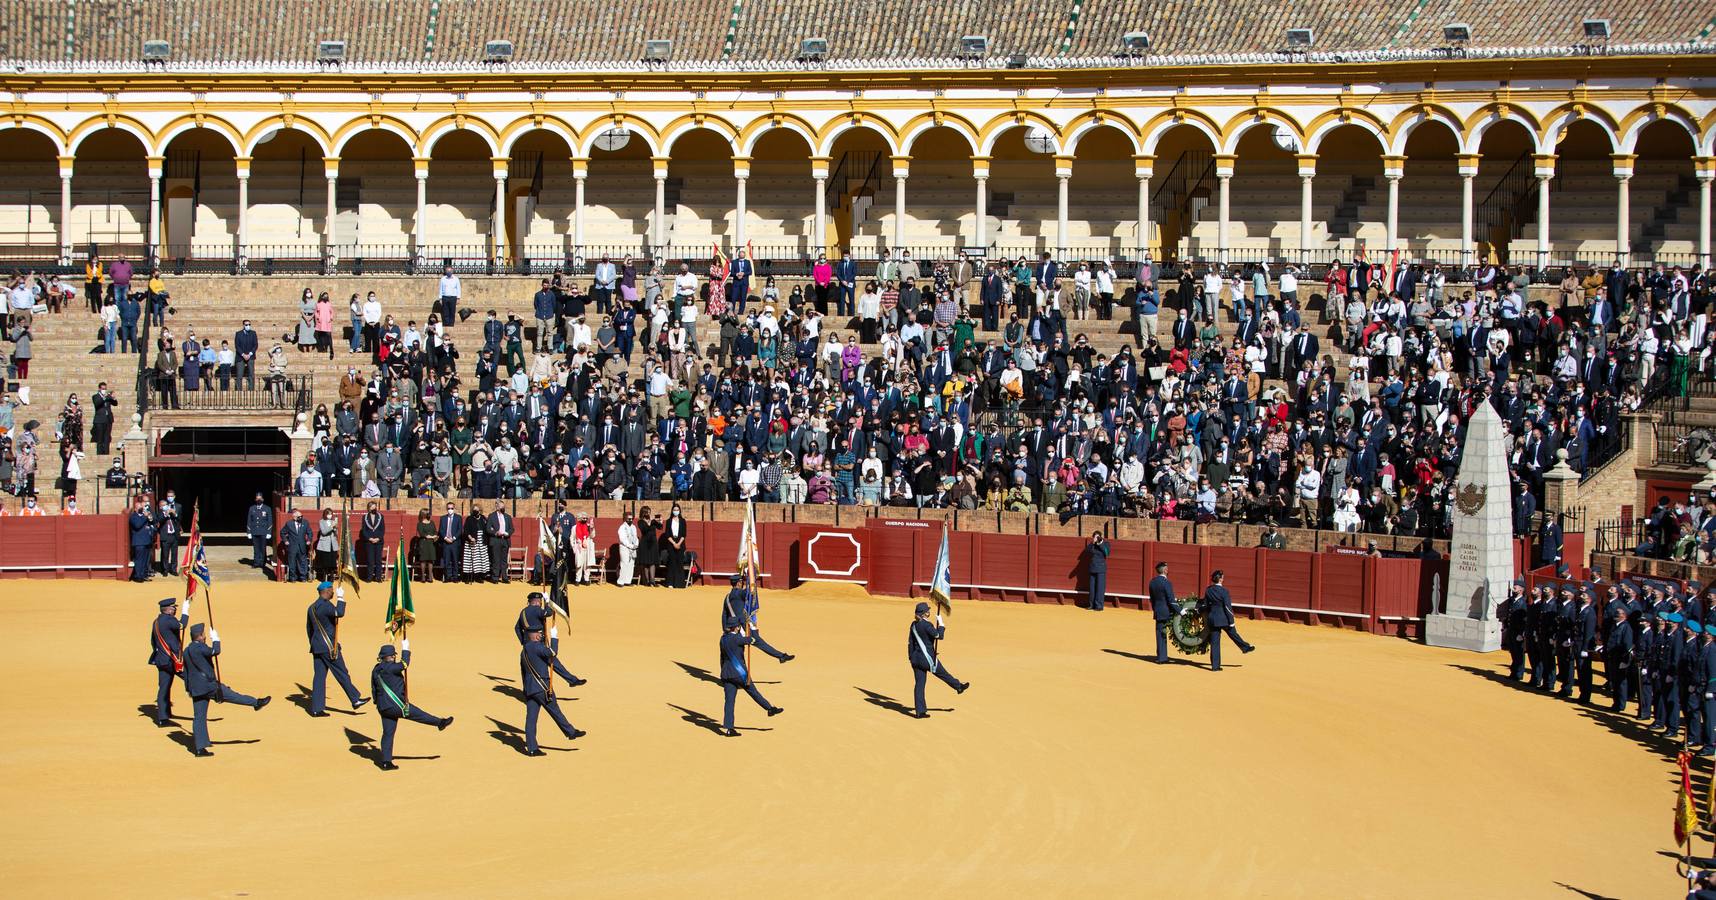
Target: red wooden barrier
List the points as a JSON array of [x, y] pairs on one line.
[[83, 546], [826, 553]]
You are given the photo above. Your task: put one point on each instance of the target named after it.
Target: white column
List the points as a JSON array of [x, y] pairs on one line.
[[420, 223], [66, 163], [819, 229], [330, 233], [498, 243], [1307, 181], [1623, 211], [1392, 241], [1063, 174], [153, 237], [741, 175], [980, 223], [580, 170], [1468, 168], [1704, 177], [902, 166], [659, 236], [1224, 176], [243, 248]]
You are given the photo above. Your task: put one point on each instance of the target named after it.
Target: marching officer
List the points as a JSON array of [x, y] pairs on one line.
[[167, 654], [322, 626], [531, 618], [1163, 609], [1217, 607], [734, 678], [1514, 612], [736, 612], [387, 683], [537, 665], [201, 684], [921, 652], [1618, 658]]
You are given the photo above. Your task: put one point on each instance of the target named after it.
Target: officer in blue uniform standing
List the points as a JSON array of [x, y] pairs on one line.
[[1217, 607], [203, 686], [537, 665], [1097, 571], [259, 526], [142, 542], [1513, 614], [922, 653], [1644, 663], [387, 683], [321, 625], [531, 618], [1584, 635], [1618, 658], [1163, 609], [734, 677], [1666, 678], [735, 612], [1703, 692], [167, 654]]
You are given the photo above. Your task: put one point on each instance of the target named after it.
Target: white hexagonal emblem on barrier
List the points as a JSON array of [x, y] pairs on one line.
[[857, 553]]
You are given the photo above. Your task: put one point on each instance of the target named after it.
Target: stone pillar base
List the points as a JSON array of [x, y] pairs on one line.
[[1461, 633]]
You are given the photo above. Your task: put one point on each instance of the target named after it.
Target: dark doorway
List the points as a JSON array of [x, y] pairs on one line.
[[219, 472]]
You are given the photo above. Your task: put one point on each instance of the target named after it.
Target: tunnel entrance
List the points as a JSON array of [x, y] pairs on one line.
[[219, 471]]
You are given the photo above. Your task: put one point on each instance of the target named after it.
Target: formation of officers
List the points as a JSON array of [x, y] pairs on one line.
[[1657, 644], [539, 659]]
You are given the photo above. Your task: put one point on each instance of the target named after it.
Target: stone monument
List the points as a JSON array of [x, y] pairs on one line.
[[1480, 566]]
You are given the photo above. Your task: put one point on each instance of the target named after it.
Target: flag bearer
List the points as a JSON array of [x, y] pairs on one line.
[[921, 653], [393, 701]]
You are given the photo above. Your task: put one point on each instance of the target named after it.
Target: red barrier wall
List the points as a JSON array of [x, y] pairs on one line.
[[65, 546]]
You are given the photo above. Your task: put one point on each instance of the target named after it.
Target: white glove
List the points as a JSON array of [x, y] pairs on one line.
[[1584, 655], [340, 593], [554, 632], [938, 622], [405, 645], [214, 636], [185, 607]]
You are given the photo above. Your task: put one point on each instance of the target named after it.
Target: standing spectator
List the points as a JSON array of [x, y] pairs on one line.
[[370, 313], [119, 275], [450, 292], [1097, 570]]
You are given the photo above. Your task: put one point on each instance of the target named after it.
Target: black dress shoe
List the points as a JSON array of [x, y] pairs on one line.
[[261, 702], [962, 688], [388, 767], [575, 734], [314, 715], [579, 682], [204, 753], [359, 703], [920, 715], [442, 725], [534, 753], [729, 732], [787, 657], [1248, 648], [775, 711]]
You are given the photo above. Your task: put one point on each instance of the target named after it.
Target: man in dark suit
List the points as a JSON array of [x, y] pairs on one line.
[[167, 526], [740, 285], [295, 537], [538, 663], [993, 294], [1097, 571], [372, 531], [500, 544], [1044, 277], [259, 526], [921, 652], [735, 678], [846, 288], [203, 686], [388, 683], [448, 530], [1163, 608], [142, 540], [1217, 607], [167, 655], [322, 627], [1302, 348]]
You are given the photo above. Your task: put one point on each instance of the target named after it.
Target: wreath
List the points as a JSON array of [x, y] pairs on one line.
[[1188, 630]]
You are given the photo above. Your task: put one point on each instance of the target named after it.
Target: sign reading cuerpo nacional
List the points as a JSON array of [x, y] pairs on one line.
[[1480, 566]]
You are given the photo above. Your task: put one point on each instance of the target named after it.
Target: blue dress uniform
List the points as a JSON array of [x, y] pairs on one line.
[[201, 684], [142, 542], [321, 625], [921, 652], [734, 677], [387, 685], [1644, 663], [1565, 628], [1584, 638], [1704, 691], [167, 655], [733, 614], [531, 618], [1097, 572], [1618, 659], [1540, 641], [1217, 607], [1163, 608], [537, 664], [1514, 613], [1667, 681], [1691, 689], [259, 525]]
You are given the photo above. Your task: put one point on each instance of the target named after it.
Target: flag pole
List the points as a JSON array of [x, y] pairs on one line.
[[208, 589]]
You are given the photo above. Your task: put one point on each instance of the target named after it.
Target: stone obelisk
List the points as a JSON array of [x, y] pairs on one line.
[[1481, 561]]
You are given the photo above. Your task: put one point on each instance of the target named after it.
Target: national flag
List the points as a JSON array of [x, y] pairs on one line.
[[348, 573], [1393, 267], [748, 562], [196, 563], [400, 612], [553, 568], [1685, 809], [941, 582]]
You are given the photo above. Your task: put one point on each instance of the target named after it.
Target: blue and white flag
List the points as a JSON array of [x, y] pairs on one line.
[[941, 583]]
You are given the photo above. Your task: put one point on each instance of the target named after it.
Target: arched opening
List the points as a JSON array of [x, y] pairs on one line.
[[199, 209], [1022, 183], [701, 174], [1350, 195], [1182, 189], [375, 197], [1102, 215], [1263, 198], [110, 194], [783, 195], [1583, 194], [459, 214], [941, 193], [1664, 195], [859, 171], [30, 195], [541, 193], [287, 187], [619, 197], [1504, 197], [1430, 220]]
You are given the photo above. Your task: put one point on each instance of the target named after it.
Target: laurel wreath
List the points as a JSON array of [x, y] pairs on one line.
[[1188, 630]]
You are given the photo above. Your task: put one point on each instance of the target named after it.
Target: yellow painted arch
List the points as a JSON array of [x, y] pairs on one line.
[[357, 126], [520, 127], [1166, 121], [1561, 118], [97, 123], [638, 127], [917, 125], [39, 125], [994, 128], [311, 129], [1485, 118], [1409, 120], [686, 124], [184, 124], [1639, 119], [445, 125], [756, 128], [1085, 123], [1258, 115], [1326, 123]]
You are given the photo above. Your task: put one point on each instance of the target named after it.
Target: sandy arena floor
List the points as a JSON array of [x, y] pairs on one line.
[[1328, 764]]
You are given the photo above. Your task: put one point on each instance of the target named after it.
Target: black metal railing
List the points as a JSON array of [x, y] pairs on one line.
[[292, 392], [1618, 535], [1683, 445]]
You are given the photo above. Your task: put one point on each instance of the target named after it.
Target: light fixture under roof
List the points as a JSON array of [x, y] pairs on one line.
[[813, 50], [157, 51], [1596, 29], [497, 51], [1300, 38], [974, 46], [658, 51], [331, 52], [1456, 32], [1135, 42]]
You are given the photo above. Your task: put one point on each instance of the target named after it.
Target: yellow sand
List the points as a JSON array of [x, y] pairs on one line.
[[1329, 764]]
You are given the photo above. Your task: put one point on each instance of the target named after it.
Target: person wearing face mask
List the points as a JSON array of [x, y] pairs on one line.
[[295, 537], [673, 547]]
